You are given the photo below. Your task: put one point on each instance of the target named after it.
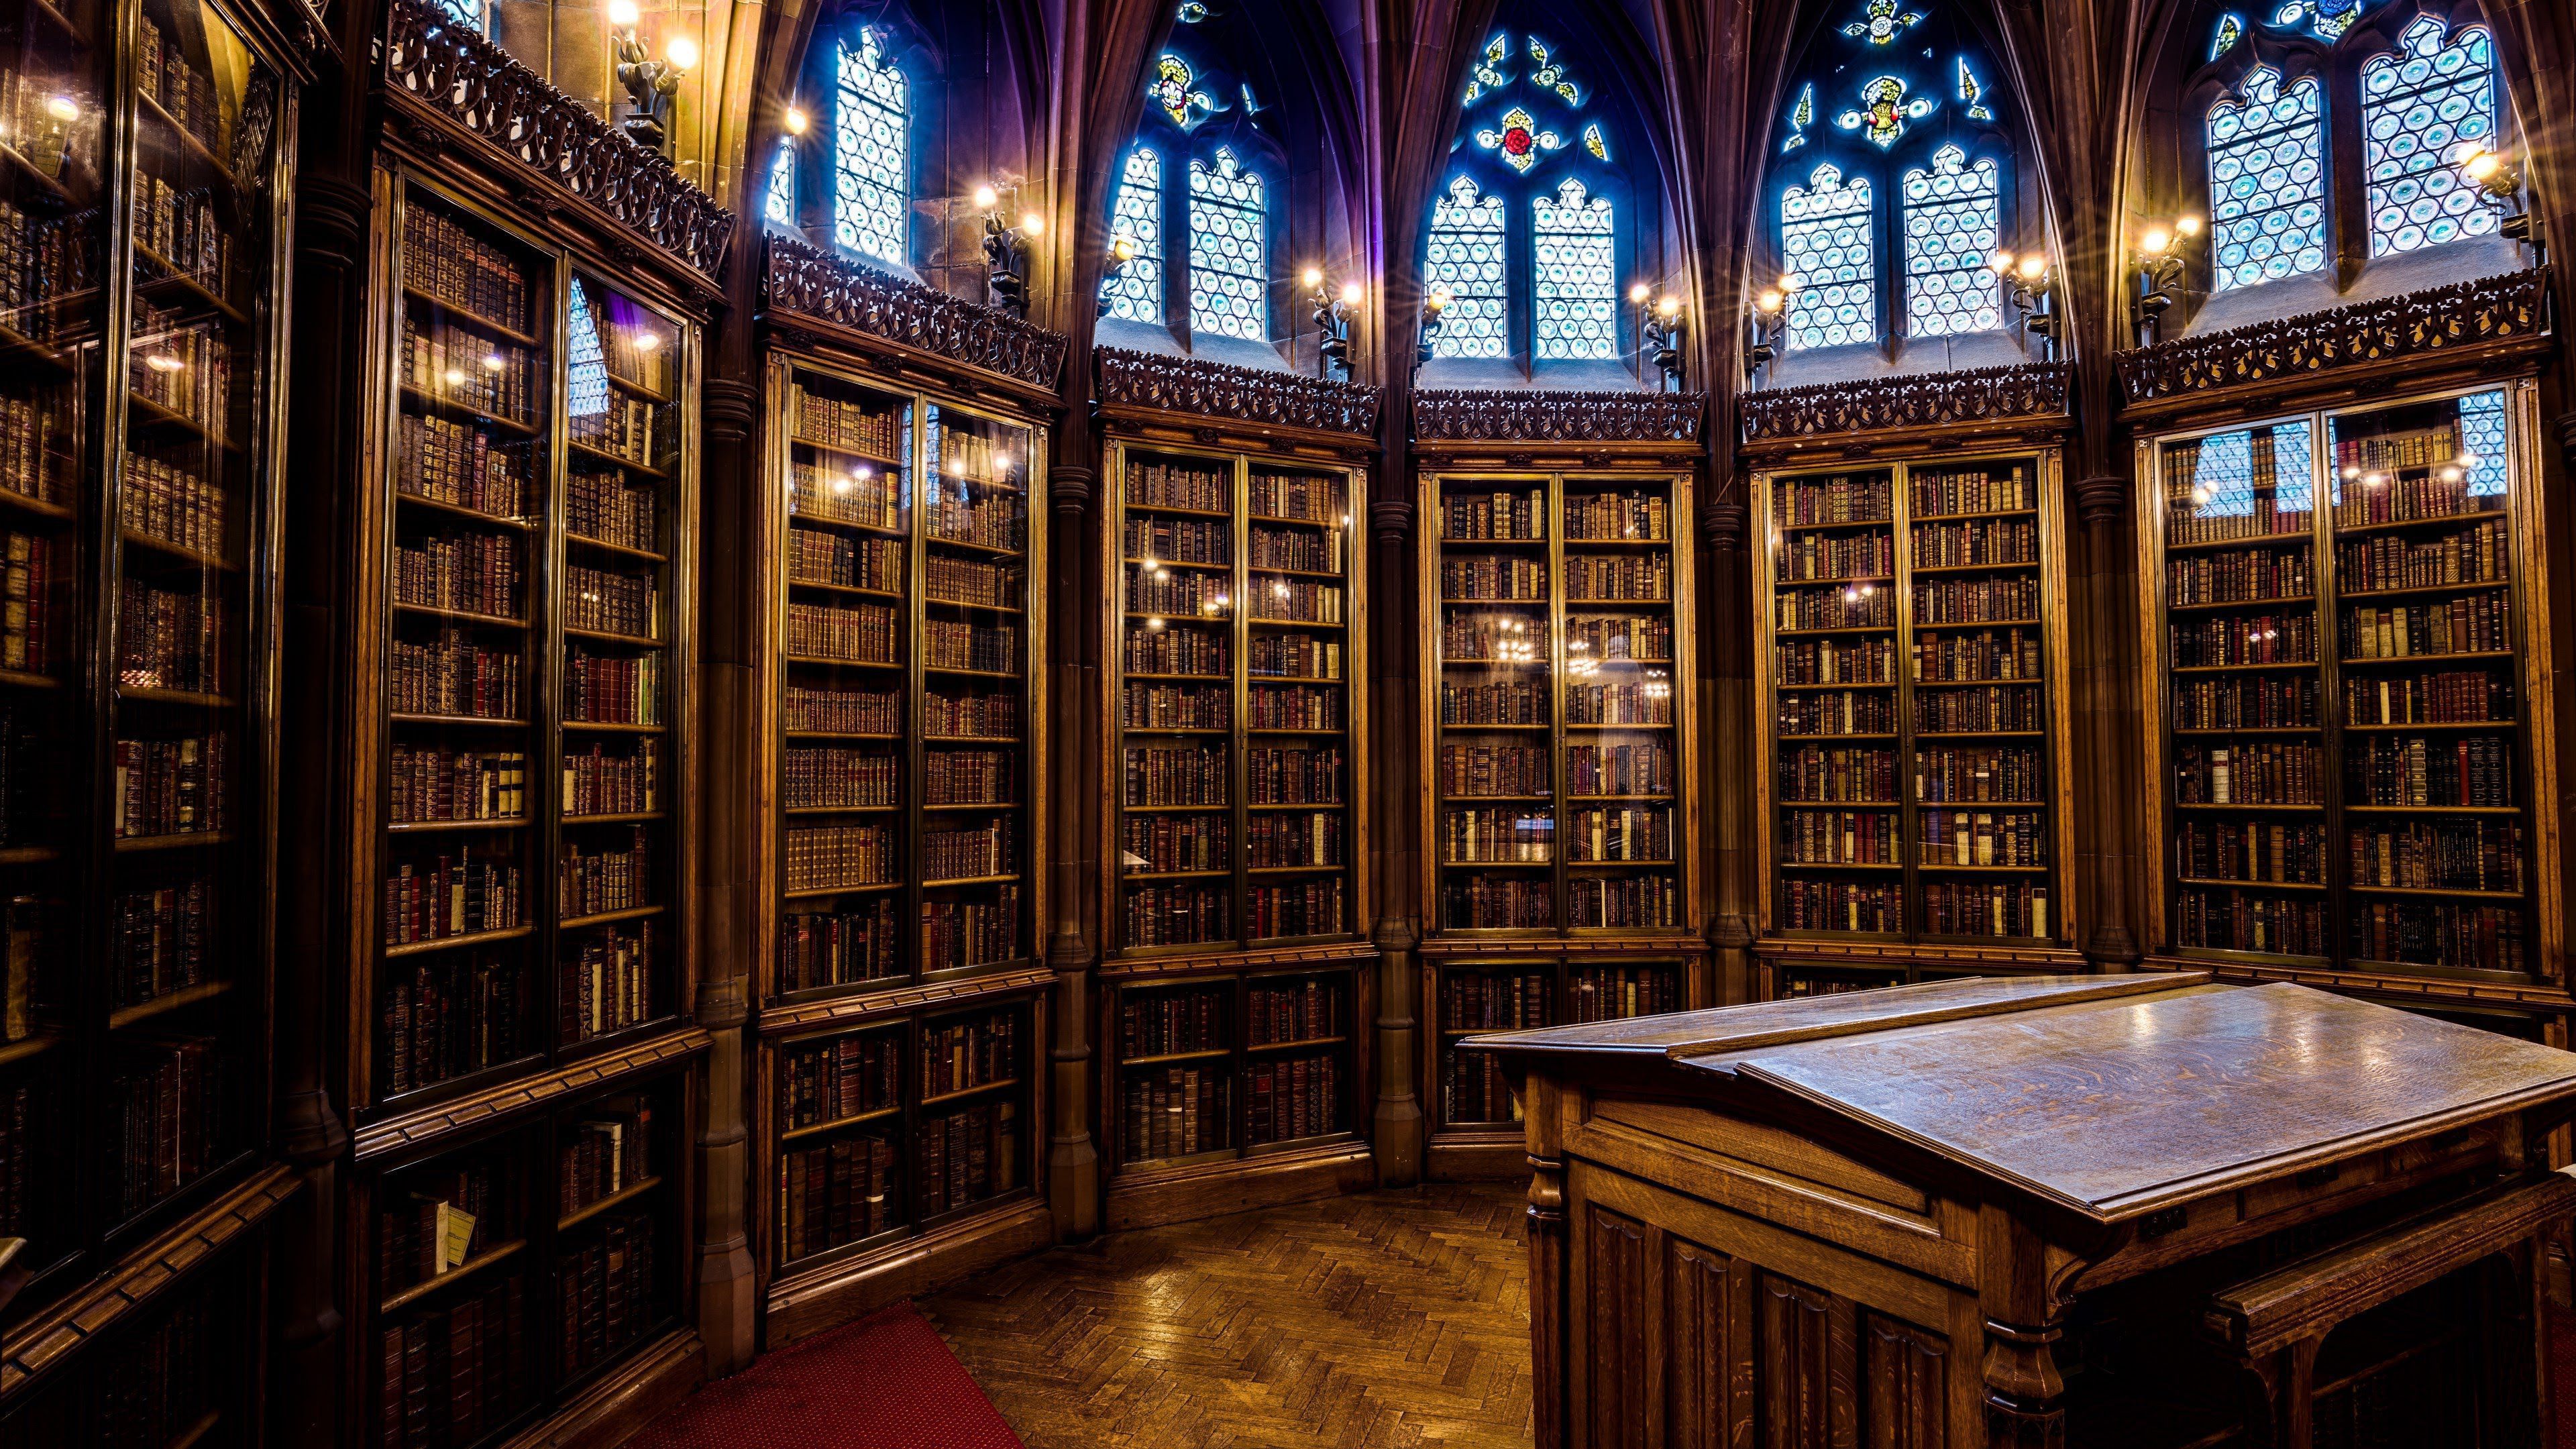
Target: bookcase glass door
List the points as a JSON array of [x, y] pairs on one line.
[[1495, 846], [461, 994], [845, 682], [2347, 749], [1473, 996], [842, 1163], [1620, 828], [54, 350], [616, 852], [1216, 1067]]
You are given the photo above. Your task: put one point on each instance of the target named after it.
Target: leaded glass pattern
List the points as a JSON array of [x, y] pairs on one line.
[[1136, 292], [468, 13], [1229, 250], [1574, 277], [871, 144], [2219, 476], [2482, 438], [1825, 239], [1953, 215], [2421, 107], [780, 204], [586, 376], [2267, 181], [1466, 256]]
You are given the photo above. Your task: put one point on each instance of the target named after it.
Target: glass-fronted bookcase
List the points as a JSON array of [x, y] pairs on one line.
[[2348, 666]]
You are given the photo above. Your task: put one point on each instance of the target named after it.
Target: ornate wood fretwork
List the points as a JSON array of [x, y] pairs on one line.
[[1559, 417], [818, 286], [1979, 396], [1235, 394], [2464, 317], [444, 74]]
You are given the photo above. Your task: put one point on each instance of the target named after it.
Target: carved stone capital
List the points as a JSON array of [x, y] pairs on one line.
[[2101, 499], [1391, 520], [1721, 522], [730, 406], [331, 220], [1393, 934], [1729, 931], [1071, 488], [724, 1002], [1068, 953], [309, 1130]]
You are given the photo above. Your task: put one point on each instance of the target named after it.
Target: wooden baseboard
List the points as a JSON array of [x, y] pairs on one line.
[[610, 1411], [807, 1303], [1465, 1158], [1152, 1198]]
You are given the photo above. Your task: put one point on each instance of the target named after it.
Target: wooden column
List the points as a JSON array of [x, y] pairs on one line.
[[2024, 1391], [1547, 1281], [1397, 1131], [2105, 698], [1726, 670], [1074, 594]]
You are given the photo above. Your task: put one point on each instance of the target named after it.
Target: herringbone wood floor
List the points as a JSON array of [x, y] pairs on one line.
[[1389, 1319]]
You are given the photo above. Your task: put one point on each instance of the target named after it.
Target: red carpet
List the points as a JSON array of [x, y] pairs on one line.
[[884, 1382]]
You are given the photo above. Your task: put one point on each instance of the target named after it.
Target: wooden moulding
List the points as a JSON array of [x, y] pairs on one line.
[[906, 335], [1557, 432], [527, 1094], [1150, 1197], [805, 1303], [865, 1007], [1644, 949], [1186, 400], [43, 1343], [1464, 1154], [1266, 959], [2003, 408], [610, 1411], [2387, 986], [1820, 954]]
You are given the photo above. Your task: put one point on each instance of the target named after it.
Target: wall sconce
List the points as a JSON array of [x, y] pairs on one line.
[[650, 84], [1332, 323], [2032, 288], [1769, 320], [1122, 250], [1659, 333], [2159, 264], [1006, 250], [1436, 303], [2499, 184]]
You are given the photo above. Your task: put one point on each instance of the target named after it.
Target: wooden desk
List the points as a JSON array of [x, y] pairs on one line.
[[2092, 1211]]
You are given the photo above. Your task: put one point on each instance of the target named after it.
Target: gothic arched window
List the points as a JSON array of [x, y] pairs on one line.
[[1229, 249], [779, 205], [1195, 197], [1136, 292], [1529, 236], [2420, 105], [1893, 181], [2267, 181], [871, 149]]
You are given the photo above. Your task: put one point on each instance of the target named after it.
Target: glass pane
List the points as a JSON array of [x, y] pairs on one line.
[[1497, 821], [2267, 181], [1177, 690], [1825, 238], [2424, 106], [1298, 841], [1575, 283], [1466, 256], [1620, 829], [1952, 218], [871, 151], [1229, 250], [1833, 628], [1135, 293]]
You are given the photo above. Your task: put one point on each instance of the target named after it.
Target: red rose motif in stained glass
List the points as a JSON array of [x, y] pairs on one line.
[[1517, 141]]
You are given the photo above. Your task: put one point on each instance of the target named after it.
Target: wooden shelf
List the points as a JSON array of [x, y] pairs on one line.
[[608, 918], [459, 510], [137, 538], [182, 840], [470, 317], [465, 411], [879, 1114], [618, 1199], [466, 616], [879, 459], [459, 942], [621, 550], [163, 1005], [592, 452], [965, 1093], [426, 827], [473, 1267]]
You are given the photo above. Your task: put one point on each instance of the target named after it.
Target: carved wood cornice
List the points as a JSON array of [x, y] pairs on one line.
[[868, 1006], [1666, 418], [43, 1343], [511, 1099], [1152, 382], [1979, 399], [1232, 962], [445, 82], [811, 297], [1864, 955], [1643, 949], [2491, 320], [2386, 986]]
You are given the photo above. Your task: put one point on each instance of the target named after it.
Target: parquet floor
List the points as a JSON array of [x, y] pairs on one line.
[[1392, 1319]]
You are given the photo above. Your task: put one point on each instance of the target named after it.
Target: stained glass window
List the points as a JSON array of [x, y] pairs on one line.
[[2482, 438], [1953, 215], [2221, 475], [1574, 277], [1466, 256], [586, 375], [1884, 110], [871, 142], [1136, 292], [2267, 181], [1229, 250], [780, 206], [1825, 240], [2421, 107], [2231, 28], [468, 13]]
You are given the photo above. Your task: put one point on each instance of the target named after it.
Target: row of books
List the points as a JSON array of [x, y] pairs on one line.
[[1619, 578], [39, 438], [1978, 490], [1492, 517], [1175, 1112], [1986, 908], [1305, 1010], [1509, 702], [2476, 624], [612, 601], [1315, 906], [463, 466], [834, 1193], [159, 946], [2250, 575], [1616, 993], [2249, 774], [2009, 600], [976, 931], [2251, 850], [178, 226], [1505, 637], [159, 1389], [977, 648], [606, 985], [1992, 709], [1474, 1089], [1838, 775], [1292, 1099], [439, 1218], [1638, 638], [815, 557], [1799, 502], [609, 508], [838, 779], [475, 572], [170, 639], [2235, 920], [1482, 1001], [992, 715], [2441, 933], [1176, 915], [450, 674], [166, 1117], [1496, 836], [1294, 775], [1201, 488], [2449, 696], [844, 1077], [841, 494], [1844, 712], [841, 947], [969, 1156], [1167, 844], [31, 590], [1150, 538], [2474, 855], [1471, 770], [447, 896], [453, 364], [1157, 775], [838, 710], [1274, 841], [169, 787], [1949, 657], [1949, 774], [454, 1372], [1976, 541], [457, 268], [1836, 556], [184, 92], [622, 427], [1153, 650], [1300, 549], [959, 1055], [2272, 701], [1832, 608], [1166, 1023], [1493, 578], [1295, 708], [607, 1293], [1486, 903], [604, 1154], [1148, 706], [1828, 661], [2479, 554], [446, 1016], [847, 423], [2407, 500], [1838, 837], [1293, 656], [1631, 517], [974, 457], [612, 688], [1981, 837], [1620, 833], [600, 879], [2412, 770], [1803, 904], [1179, 593], [604, 781], [946, 580], [835, 857], [971, 854], [1297, 601], [1299, 497]]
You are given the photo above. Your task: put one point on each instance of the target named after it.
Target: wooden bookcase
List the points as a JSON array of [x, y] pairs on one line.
[[2352, 704], [902, 807], [141, 377], [1558, 735], [525, 850], [1235, 630], [1912, 781]]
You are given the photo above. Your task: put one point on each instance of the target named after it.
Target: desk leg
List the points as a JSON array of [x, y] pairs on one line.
[[2025, 1395], [1547, 1234]]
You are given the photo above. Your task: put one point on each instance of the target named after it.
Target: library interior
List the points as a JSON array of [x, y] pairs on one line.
[[1931, 818]]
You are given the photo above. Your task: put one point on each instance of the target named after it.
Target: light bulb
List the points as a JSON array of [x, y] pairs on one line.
[[493, 362], [1769, 301], [2451, 475], [864, 473], [63, 108], [2483, 165], [1031, 223], [1637, 294], [2000, 263], [1350, 294], [1790, 282], [1668, 307], [986, 198], [164, 362], [2351, 471], [796, 122], [683, 52], [2155, 241], [2033, 267], [1122, 248], [2468, 460], [2188, 226], [623, 14], [1154, 625], [647, 341], [454, 376], [1312, 276]]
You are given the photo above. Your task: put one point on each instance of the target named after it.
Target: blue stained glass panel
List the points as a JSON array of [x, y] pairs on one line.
[[1229, 250], [1953, 214], [1136, 292], [1466, 256], [1825, 240], [1574, 277], [2422, 106], [780, 204], [2482, 437], [871, 144], [2267, 206]]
